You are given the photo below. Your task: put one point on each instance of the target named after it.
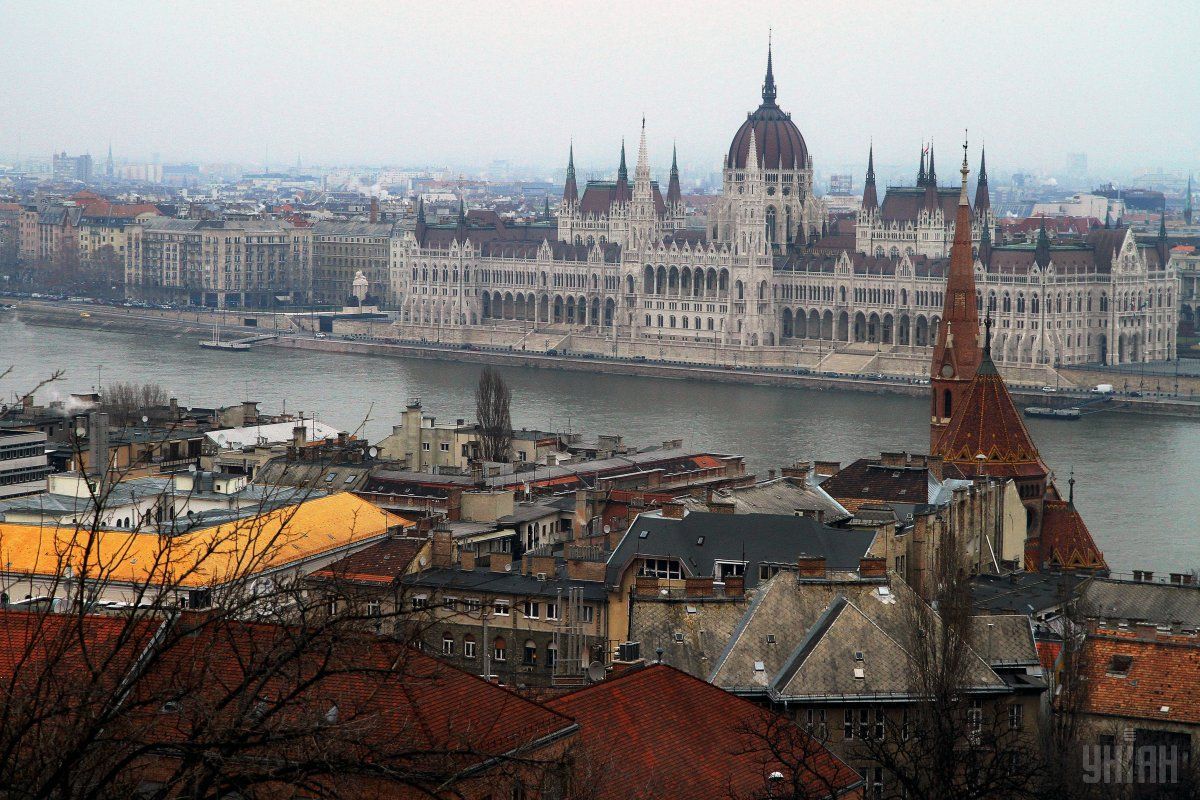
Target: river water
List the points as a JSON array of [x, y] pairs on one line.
[[1136, 475]]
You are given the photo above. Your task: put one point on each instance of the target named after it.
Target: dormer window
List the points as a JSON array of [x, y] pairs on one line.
[[1120, 665]]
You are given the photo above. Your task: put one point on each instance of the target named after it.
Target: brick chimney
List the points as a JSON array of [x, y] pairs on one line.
[[645, 586], [443, 548], [872, 567], [934, 463], [810, 566], [718, 505], [466, 559], [374, 210], [797, 473], [500, 562], [735, 586], [698, 587], [826, 468], [672, 509], [892, 459]]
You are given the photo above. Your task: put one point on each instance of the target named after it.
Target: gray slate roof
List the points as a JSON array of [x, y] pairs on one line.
[[1130, 601], [705, 625], [778, 496], [702, 538]]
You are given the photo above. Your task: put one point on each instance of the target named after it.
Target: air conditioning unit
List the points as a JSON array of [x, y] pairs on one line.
[[541, 576], [629, 651]]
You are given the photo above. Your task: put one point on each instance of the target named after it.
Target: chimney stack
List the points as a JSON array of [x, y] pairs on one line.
[[672, 509], [810, 566], [872, 567], [374, 210]]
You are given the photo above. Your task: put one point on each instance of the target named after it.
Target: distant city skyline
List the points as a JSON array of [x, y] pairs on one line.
[[371, 83]]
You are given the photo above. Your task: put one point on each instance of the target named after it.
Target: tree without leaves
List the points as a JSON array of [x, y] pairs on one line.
[[493, 401], [266, 693], [127, 402]]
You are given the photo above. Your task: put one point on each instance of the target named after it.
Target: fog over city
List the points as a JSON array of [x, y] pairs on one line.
[[466, 84]]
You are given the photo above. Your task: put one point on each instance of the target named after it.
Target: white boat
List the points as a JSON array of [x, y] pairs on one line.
[[216, 344]]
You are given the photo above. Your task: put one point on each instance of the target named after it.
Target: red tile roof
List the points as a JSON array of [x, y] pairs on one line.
[[660, 730], [1065, 542], [1163, 674], [381, 563]]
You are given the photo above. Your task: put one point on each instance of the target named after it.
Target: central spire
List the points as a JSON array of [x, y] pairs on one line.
[[768, 92], [622, 171]]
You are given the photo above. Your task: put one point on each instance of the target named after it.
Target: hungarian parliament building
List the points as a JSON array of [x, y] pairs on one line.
[[767, 278]]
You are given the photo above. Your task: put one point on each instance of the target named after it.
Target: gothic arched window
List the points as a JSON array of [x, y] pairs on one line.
[[770, 224]]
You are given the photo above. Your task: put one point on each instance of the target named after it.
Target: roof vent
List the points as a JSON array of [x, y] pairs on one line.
[[1165, 709], [679, 637], [858, 655], [643, 534], [770, 638], [691, 609], [760, 666], [699, 541], [884, 591], [860, 673]]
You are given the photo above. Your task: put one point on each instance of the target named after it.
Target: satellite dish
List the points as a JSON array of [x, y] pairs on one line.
[[192, 468], [508, 567], [607, 529], [145, 419], [373, 451], [595, 672], [421, 561]]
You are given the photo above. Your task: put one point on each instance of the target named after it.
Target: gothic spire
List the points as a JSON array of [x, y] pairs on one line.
[[932, 176], [921, 174], [983, 200], [622, 171], [642, 170], [570, 190], [768, 91], [1107, 218], [674, 196], [870, 200], [932, 202], [421, 211]]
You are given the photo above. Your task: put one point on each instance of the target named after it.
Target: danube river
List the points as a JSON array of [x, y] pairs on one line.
[[1136, 484]]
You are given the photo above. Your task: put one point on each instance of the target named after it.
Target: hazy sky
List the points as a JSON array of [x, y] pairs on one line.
[[468, 83]]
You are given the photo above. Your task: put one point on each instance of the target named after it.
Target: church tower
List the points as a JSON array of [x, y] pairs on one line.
[[643, 216], [956, 355]]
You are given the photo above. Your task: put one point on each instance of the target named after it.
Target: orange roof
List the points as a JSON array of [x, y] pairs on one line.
[[1158, 681], [707, 462], [209, 556], [987, 421], [1066, 542]]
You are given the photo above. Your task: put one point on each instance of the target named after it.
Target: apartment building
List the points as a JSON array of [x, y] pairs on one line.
[[220, 263]]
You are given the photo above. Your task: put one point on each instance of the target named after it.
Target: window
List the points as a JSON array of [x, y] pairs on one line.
[[1016, 714], [729, 569], [373, 608], [450, 604], [532, 609], [904, 724], [425, 446], [472, 605], [587, 613], [499, 649], [848, 724], [444, 447], [447, 644], [500, 608], [551, 610], [767, 571], [551, 655], [468, 646], [880, 718], [529, 653], [975, 716], [1119, 665], [815, 723], [420, 601], [333, 607], [660, 568], [864, 723]]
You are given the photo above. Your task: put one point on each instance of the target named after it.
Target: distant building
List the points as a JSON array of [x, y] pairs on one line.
[[220, 264], [342, 249], [71, 168], [23, 465]]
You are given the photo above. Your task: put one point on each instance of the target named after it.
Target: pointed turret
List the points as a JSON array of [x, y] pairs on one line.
[[921, 173], [641, 173], [570, 189], [956, 355], [546, 207], [768, 90], [1107, 218], [1041, 251], [674, 196], [983, 200], [622, 170], [932, 203], [1164, 247], [419, 230], [870, 201], [985, 246]]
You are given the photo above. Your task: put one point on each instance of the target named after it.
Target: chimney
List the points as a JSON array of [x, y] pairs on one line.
[[26, 402], [249, 412], [810, 566], [826, 468], [735, 586], [645, 586], [1183, 578], [466, 560], [443, 548], [299, 435], [173, 403], [1143, 576], [544, 565], [698, 587], [892, 459], [797, 473], [672, 509], [770, 474], [343, 439], [872, 567], [500, 562], [1146, 631], [374, 210], [98, 444], [579, 569], [718, 505], [934, 464]]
